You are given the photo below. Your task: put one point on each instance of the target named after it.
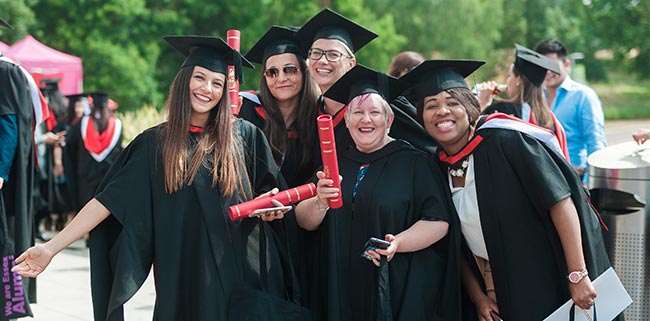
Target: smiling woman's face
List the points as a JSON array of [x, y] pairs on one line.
[[284, 86], [206, 90], [446, 120]]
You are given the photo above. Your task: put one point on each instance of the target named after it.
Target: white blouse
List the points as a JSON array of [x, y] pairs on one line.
[[466, 204]]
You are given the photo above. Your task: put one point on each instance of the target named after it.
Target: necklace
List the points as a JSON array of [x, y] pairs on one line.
[[459, 171]]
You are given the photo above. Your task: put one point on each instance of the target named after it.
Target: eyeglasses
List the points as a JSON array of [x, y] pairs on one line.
[[275, 72], [330, 55]]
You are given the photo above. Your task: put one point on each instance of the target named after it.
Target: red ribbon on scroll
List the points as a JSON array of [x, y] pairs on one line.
[[233, 38], [328, 153], [286, 197]]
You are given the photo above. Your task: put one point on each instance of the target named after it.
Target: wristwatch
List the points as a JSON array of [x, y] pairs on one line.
[[576, 276]]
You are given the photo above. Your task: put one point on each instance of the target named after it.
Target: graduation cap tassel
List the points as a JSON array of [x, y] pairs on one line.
[[238, 68]]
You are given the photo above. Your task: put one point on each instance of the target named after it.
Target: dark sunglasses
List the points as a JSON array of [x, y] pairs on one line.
[[275, 72]]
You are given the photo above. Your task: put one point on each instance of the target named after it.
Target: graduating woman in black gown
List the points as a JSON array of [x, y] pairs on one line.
[[164, 203], [532, 239], [286, 105], [390, 191]]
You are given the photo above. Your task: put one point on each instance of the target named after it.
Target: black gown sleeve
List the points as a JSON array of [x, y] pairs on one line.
[[540, 175], [122, 246]]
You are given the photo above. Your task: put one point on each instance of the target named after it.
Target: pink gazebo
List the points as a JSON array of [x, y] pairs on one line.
[[38, 58]]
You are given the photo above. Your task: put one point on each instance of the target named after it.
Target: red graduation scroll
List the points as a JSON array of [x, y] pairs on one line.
[[286, 197], [233, 38], [328, 153]]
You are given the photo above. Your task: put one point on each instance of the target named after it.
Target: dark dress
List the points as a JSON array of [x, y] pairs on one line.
[[518, 179], [17, 190], [400, 187], [87, 171], [289, 161], [203, 263]]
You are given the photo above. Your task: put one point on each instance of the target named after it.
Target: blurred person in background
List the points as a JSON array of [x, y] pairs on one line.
[[576, 106], [525, 93], [403, 62]]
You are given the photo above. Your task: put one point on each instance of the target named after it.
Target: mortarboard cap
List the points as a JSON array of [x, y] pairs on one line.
[[98, 98], [51, 84], [4, 23], [209, 52], [328, 24], [363, 80], [433, 76], [72, 99], [277, 40], [534, 65]]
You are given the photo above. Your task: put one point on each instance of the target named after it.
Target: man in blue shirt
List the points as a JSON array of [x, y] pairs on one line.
[[576, 106]]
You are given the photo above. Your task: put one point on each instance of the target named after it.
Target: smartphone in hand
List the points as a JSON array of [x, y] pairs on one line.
[[259, 211], [374, 243]]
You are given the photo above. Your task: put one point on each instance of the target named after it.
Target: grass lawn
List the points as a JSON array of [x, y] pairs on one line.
[[623, 99]]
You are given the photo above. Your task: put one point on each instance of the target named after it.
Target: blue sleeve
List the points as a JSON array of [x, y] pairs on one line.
[[593, 122], [8, 143]]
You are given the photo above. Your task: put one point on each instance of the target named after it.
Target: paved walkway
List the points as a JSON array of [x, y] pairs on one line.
[[64, 289]]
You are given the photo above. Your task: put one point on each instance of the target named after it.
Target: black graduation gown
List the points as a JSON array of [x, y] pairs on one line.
[[200, 258], [88, 172], [526, 256], [292, 171], [15, 100], [401, 186]]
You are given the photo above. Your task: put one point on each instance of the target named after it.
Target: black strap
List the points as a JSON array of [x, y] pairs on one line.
[[572, 312], [4, 230], [384, 309]]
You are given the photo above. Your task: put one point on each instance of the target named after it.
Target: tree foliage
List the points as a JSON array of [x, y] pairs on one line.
[[120, 41]]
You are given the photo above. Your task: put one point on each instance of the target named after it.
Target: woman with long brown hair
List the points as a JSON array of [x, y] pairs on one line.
[[163, 204], [525, 93], [286, 105]]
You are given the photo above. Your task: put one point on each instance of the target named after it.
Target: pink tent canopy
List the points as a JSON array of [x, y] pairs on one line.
[[3, 47], [38, 58]]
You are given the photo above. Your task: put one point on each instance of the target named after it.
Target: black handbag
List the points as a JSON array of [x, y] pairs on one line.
[[13, 299]]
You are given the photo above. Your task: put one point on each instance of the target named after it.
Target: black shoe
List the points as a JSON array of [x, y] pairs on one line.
[[41, 236]]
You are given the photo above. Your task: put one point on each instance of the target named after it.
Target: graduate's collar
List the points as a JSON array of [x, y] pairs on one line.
[[365, 158], [464, 152]]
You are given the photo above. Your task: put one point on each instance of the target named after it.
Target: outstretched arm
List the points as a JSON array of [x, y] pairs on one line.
[[34, 261]]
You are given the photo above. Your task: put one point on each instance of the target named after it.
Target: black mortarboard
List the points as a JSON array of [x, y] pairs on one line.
[[51, 84], [363, 80], [4, 23], [209, 52], [99, 98], [76, 97], [331, 25], [534, 65], [433, 76], [277, 40]]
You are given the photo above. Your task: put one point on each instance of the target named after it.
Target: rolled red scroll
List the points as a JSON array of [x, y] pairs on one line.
[[233, 39], [328, 154], [286, 197]]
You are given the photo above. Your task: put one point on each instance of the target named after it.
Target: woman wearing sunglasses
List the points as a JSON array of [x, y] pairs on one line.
[[285, 107]]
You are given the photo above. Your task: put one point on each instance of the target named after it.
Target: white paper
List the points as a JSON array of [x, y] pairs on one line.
[[612, 299]]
